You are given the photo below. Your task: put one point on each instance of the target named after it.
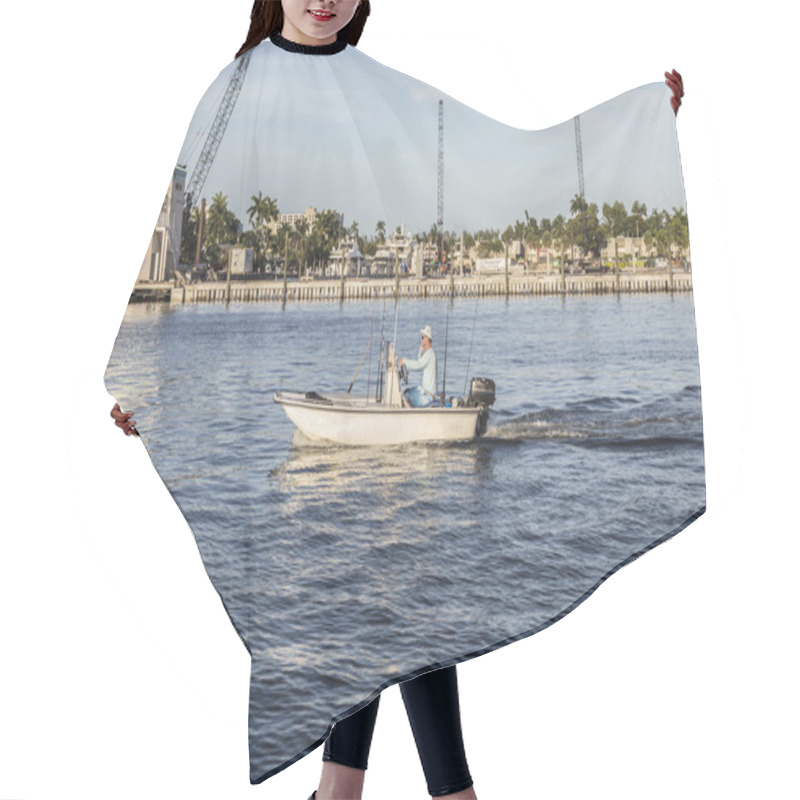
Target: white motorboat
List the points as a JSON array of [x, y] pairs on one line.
[[383, 420]]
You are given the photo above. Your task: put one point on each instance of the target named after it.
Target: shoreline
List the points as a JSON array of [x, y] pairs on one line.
[[339, 290]]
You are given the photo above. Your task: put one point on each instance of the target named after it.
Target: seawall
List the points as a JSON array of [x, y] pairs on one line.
[[327, 290]]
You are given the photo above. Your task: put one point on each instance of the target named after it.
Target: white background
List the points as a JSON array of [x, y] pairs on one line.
[[120, 675]]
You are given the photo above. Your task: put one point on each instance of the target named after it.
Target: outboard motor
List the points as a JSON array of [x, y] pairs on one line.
[[481, 392]]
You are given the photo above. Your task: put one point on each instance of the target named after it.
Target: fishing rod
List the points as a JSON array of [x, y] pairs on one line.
[[397, 301], [381, 368], [472, 341], [396, 309], [355, 377], [371, 336], [446, 332]]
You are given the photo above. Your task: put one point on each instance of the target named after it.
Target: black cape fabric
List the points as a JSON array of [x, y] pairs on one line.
[[345, 570]]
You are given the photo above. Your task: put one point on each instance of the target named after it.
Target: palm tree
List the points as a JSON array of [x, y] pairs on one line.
[[577, 225], [653, 227], [577, 205], [638, 213], [507, 238], [489, 243], [189, 231], [328, 232], [262, 211], [329, 226], [380, 229], [615, 218], [558, 232], [301, 229], [223, 228], [218, 219], [532, 235], [546, 241], [283, 233], [584, 228], [520, 232], [679, 230]]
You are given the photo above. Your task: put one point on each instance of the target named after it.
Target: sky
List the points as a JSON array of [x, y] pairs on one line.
[[121, 675], [347, 133]]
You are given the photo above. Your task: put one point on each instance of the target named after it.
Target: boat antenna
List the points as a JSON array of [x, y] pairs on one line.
[[472, 342]]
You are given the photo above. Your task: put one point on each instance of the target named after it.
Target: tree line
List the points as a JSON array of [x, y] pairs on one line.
[[582, 235]]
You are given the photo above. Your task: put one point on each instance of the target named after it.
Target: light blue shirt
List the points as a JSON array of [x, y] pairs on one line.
[[426, 363]]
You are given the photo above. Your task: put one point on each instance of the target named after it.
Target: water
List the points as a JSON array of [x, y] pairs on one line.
[[345, 569]]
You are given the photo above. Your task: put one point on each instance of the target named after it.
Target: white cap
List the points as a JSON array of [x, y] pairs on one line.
[[427, 332]]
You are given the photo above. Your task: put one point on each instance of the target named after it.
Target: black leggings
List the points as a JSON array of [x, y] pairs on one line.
[[432, 706]]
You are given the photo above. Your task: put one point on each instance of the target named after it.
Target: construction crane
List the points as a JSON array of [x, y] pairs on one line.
[[215, 134], [579, 148], [581, 191], [440, 204]]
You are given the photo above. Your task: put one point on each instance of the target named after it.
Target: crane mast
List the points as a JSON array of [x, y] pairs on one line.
[[579, 149], [215, 134], [440, 198]]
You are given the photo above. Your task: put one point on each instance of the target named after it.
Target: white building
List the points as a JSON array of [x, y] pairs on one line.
[[347, 259], [309, 216], [241, 260], [164, 253], [395, 250], [627, 247]]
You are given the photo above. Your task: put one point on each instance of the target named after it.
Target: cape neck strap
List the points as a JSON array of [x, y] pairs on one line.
[[307, 49]]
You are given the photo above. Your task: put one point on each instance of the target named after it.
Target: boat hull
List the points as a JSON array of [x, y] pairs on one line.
[[358, 423]]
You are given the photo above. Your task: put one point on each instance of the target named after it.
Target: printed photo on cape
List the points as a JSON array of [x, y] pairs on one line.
[[325, 211], [122, 673]]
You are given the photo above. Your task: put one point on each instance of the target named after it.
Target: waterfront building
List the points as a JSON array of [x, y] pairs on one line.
[[309, 216], [394, 250], [628, 247], [347, 260], [461, 258], [241, 260], [489, 266], [164, 252]]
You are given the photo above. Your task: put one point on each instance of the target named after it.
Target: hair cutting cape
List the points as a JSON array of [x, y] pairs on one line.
[[561, 274]]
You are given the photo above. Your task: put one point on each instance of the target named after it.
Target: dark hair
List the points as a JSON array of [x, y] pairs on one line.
[[266, 19]]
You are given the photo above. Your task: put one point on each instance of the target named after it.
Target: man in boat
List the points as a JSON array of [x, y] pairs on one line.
[[424, 395]]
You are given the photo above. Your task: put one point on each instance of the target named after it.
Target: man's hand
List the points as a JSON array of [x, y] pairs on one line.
[[675, 82], [122, 419]]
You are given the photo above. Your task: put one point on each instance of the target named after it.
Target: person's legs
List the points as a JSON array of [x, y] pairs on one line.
[[346, 754], [416, 398], [433, 711], [432, 705]]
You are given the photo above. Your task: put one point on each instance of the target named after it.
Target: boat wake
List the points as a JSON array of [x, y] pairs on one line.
[[606, 422]]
